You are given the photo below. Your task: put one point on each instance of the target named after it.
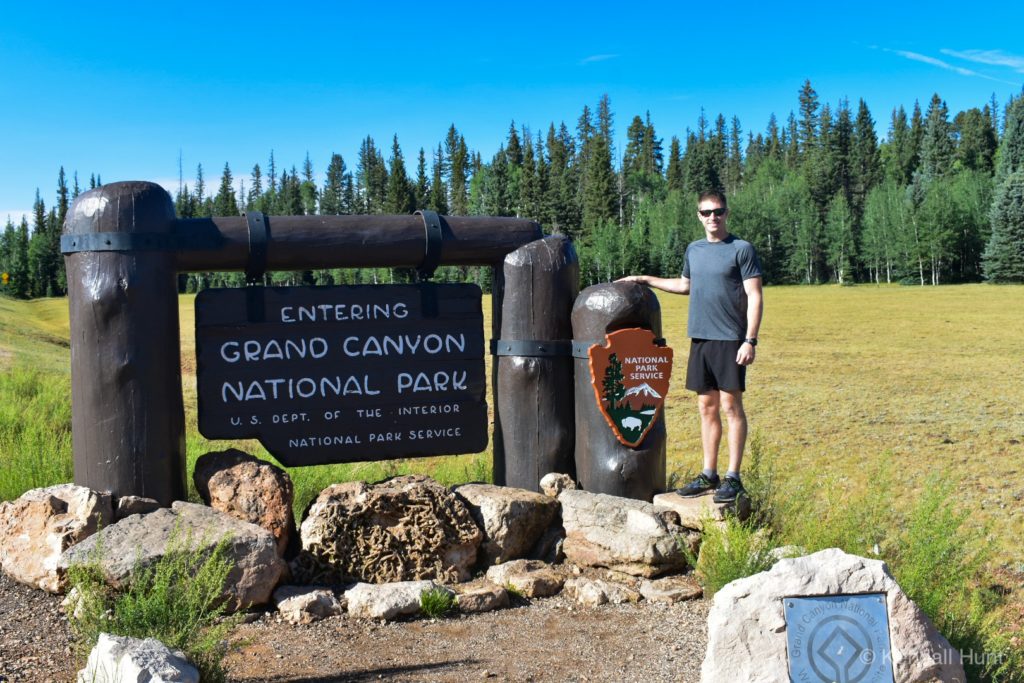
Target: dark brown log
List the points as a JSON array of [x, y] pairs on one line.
[[308, 242], [603, 465], [127, 419], [535, 403]]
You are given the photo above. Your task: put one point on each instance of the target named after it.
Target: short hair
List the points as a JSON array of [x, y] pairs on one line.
[[716, 195]]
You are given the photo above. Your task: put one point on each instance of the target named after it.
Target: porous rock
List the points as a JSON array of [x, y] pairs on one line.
[[388, 600], [530, 578], [40, 525], [250, 489], [553, 483], [512, 519], [118, 659], [747, 624], [623, 534], [594, 592], [306, 604], [142, 540], [404, 529], [134, 505], [671, 589], [480, 596], [694, 510]]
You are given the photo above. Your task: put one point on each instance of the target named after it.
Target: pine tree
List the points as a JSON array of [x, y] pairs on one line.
[[457, 155], [400, 198], [1004, 254], [599, 197], [808, 132], [438, 192], [421, 191], [332, 198], [20, 273], [1011, 149], [254, 202], [937, 142], [307, 188], [674, 175], [224, 203], [529, 200], [976, 140], [865, 161], [734, 161], [496, 199], [514, 149]]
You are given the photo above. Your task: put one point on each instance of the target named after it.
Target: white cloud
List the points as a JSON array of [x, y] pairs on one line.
[[15, 216], [918, 57], [596, 58], [990, 57]]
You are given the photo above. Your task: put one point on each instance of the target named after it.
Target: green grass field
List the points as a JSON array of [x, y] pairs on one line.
[[925, 380]]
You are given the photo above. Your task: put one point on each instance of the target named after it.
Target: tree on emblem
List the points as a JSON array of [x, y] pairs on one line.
[[614, 390]]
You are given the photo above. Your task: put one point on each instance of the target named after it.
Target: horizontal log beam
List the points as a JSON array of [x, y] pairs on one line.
[[310, 242]]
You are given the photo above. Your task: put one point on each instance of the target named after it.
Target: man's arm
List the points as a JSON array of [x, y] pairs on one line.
[[755, 309], [675, 285]]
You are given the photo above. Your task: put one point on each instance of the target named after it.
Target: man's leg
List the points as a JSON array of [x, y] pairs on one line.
[[710, 426], [732, 404]]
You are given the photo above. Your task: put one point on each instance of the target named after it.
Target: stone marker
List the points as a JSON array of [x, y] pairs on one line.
[[693, 510], [403, 529], [530, 578], [480, 596], [250, 489], [117, 659], [306, 604], [512, 519], [594, 592], [134, 505], [623, 534], [671, 589], [747, 628], [388, 600], [37, 527], [143, 540]]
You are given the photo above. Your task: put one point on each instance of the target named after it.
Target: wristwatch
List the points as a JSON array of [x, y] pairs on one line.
[[752, 341]]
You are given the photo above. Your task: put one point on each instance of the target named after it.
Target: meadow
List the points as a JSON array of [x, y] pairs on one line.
[[850, 383]]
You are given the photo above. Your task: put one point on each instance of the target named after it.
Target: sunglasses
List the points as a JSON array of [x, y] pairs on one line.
[[718, 212]]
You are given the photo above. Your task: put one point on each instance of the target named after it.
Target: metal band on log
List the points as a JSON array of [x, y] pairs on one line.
[[128, 427], [535, 402], [603, 464], [127, 418]]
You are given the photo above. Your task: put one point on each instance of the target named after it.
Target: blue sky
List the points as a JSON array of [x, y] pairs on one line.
[[121, 89]]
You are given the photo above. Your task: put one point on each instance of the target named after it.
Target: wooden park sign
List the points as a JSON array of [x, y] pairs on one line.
[[343, 374], [630, 376]]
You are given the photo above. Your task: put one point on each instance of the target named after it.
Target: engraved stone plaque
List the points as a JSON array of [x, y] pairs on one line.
[[838, 639]]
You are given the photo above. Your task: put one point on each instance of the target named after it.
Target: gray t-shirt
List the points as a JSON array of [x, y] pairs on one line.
[[718, 302]]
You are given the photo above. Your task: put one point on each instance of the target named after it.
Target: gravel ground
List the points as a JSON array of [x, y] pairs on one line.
[[547, 640]]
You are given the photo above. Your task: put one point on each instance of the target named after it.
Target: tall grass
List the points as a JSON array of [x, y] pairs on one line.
[[35, 430]]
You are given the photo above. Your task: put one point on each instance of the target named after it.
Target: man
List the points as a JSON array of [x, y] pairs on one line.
[[722, 275]]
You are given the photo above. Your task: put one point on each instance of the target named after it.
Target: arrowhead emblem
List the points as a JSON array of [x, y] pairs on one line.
[[630, 375]]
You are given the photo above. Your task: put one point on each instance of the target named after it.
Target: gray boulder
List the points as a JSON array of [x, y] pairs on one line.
[[117, 659], [388, 600], [512, 519], [530, 578], [623, 534], [141, 540], [134, 505], [553, 483], [40, 525], [594, 592], [306, 604], [671, 589], [747, 630], [403, 529], [480, 596], [694, 510]]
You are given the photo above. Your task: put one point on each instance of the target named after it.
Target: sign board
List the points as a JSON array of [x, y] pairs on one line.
[[838, 639], [343, 374], [630, 377]]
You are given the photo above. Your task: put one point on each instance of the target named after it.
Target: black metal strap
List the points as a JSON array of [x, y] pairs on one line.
[[580, 349], [259, 236], [531, 347], [432, 250], [118, 241]]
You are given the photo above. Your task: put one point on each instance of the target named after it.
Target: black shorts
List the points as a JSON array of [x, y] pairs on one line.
[[713, 365]]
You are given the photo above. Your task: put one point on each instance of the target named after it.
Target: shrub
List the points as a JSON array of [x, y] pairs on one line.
[[436, 602], [730, 550], [177, 600]]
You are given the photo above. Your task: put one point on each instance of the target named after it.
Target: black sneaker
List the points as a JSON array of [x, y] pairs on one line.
[[702, 484], [730, 490]]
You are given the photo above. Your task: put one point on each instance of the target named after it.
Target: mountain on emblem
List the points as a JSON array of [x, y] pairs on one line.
[[630, 376]]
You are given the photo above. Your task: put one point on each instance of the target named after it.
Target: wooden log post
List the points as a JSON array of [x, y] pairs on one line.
[[534, 408], [127, 418], [603, 465]]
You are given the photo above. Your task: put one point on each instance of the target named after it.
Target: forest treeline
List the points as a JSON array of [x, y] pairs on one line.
[[939, 200]]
